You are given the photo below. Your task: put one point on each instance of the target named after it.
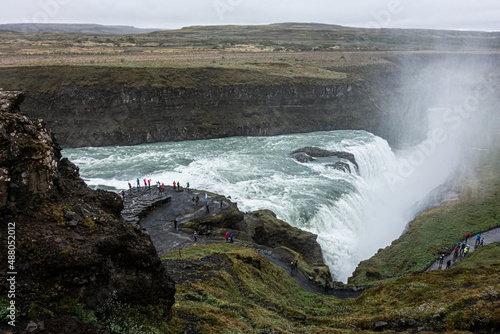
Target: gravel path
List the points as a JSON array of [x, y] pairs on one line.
[[490, 236]]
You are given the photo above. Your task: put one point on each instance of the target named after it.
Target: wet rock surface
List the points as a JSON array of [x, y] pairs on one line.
[[310, 153]]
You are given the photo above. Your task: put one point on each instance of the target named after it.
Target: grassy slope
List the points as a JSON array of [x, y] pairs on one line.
[[53, 78], [241, 298]]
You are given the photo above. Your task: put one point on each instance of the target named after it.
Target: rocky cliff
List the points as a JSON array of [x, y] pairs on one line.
[[66, 241], [87, 105], [95, 106]]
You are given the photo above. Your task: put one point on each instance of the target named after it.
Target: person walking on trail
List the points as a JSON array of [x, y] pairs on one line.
[[327, 286], [466, 249], [441, 259], [195, 235], [138, 183], [149, 183], [129, 186], [187, 186], [174, 185], [467, 236], [478, 238], [296, 263], [292, 267], [231, 237], [145, 183], [227, 236], [448, 264], [175, 223], [482, 242], [456, 251]]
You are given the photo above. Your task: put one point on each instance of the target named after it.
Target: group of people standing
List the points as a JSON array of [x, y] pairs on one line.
[[159, 185], [462, 249]]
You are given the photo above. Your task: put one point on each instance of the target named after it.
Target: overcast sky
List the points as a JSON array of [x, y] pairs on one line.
[[169, 14]]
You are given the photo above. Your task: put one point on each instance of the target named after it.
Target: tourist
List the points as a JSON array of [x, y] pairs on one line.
[[327, 286], [448, 264], [208, 211], [175, 223], [195, 236], [441, 259], [296, 264], [174, 185], [478, 238], [178, 185], [467, 236], [187, 187], [466, 249], [292, 267], [231, 237], [138, 183], [129, 186], [227, 236], [482, 242]]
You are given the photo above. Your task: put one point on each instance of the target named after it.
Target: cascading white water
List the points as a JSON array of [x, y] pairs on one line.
[[347, 211], [353, 214]]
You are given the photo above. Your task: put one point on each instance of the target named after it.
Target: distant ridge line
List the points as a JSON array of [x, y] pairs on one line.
[[83, 28]]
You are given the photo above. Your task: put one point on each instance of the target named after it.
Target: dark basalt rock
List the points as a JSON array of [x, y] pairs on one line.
[[10, 101], [316, 152], [341, 166], [71, 240]]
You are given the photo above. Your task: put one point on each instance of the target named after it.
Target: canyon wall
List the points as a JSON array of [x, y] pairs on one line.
[[106, 105]]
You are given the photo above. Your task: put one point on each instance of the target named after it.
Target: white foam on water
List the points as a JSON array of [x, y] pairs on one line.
[[352, 214]]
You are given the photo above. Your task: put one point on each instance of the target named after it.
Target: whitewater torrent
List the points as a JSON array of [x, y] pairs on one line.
[[353, 214]]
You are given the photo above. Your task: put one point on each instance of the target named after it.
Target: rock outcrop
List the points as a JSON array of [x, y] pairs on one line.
[[307, 154], [70, 241]]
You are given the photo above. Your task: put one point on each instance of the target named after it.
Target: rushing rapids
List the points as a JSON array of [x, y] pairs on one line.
[[354, 214]]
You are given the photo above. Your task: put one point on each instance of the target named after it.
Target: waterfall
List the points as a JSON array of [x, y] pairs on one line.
[[354, 214]]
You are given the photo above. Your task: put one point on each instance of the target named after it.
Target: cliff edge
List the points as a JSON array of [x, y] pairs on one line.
[[70, 253]]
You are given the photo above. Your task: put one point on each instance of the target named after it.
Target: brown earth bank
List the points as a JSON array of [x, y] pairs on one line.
[[247, 94], [67, 245]]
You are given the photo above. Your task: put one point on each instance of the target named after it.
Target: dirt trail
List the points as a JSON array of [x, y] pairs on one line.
[[166, 238], [490, 236]]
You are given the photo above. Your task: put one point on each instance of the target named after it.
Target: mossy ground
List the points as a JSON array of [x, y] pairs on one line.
[[240, 297]]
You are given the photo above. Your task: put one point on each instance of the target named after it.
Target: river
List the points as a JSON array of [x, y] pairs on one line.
[[353, 214]]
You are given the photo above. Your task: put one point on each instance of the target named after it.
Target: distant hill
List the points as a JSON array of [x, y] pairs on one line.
[[309, 25], [73, 28]]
